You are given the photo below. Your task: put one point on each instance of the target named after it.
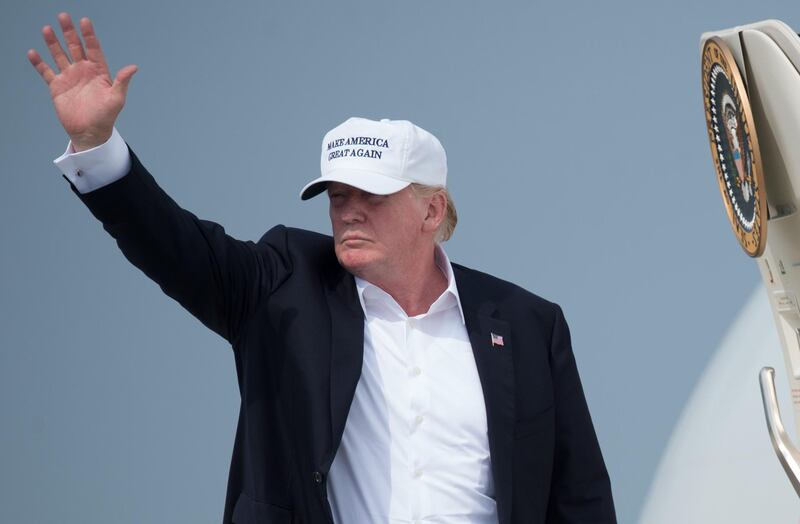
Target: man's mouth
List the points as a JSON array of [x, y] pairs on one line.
[[349, 238]]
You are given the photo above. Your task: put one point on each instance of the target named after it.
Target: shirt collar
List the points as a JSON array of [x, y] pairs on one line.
[[443, 263]]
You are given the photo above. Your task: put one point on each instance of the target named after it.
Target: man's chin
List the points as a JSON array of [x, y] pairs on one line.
[[355, 261]]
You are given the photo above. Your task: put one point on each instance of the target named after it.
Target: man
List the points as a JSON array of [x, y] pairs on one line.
[[379, 382]]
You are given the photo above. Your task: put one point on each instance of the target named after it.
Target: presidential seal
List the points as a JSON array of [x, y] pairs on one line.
[[734, 146]]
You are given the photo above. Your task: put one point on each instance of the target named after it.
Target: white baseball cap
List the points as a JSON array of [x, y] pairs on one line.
[[379, 157]]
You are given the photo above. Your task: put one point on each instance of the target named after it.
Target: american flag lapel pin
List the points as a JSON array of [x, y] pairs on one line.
[[497, 340]]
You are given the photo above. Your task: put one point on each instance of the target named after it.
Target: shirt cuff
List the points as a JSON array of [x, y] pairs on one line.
[[96, 167]]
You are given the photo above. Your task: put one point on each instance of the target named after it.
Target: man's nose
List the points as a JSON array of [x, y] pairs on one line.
[[352, 211]]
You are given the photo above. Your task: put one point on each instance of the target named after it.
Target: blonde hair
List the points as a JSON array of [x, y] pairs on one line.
[[448, 224]]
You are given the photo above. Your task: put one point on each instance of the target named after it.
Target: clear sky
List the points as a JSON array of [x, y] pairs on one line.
[[578, 161]]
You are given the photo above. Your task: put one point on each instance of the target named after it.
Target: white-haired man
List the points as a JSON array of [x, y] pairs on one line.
[[380, 382]]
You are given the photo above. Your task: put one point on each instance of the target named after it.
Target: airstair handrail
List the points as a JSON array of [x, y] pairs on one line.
[[788, 454]]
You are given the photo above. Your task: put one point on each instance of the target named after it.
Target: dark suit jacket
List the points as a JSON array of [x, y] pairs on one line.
[[292, 316]]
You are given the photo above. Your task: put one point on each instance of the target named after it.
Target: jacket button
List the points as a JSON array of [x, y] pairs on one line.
[[317, 477]]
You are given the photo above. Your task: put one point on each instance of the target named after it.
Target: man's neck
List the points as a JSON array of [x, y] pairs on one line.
[[415, 286]]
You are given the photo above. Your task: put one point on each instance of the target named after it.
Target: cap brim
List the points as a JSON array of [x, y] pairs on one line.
[[368, 181]]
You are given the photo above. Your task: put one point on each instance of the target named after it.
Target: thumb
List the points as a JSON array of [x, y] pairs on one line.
[[123, 78]]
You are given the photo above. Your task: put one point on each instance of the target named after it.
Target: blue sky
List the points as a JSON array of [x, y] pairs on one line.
[[578, 161]]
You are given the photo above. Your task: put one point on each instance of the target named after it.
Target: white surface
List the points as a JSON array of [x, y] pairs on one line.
[[784, 36], [773, 85], [776, 82], [719, 465]]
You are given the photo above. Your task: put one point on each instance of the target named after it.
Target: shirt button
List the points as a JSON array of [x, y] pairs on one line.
[[317, 477], [417, 473], [416, 371], [418, 420], [412, 322]]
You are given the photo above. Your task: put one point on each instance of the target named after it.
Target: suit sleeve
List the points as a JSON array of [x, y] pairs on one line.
[[216, 277], [581, 490]]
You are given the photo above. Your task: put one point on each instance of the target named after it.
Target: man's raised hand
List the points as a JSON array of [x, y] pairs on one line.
[[87, 101]]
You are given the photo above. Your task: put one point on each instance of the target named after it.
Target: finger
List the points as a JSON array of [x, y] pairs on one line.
[[93, 50], [71, 37], [123, 79], [41, 66], [54, 46]]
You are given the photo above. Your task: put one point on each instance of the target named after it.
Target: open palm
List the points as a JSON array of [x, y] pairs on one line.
[[86, 100]]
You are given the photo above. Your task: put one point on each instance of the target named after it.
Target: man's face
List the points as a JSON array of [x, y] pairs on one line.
[[374, 234]]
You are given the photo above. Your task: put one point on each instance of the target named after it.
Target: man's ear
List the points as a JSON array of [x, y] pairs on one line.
[[437, 208]]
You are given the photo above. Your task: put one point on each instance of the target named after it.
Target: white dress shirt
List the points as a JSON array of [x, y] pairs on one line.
[[415, 446]]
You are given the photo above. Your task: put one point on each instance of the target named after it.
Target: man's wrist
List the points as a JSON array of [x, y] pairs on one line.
[[90, 140]]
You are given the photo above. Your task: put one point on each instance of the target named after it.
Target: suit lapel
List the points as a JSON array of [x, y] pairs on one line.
[[496, 371], [347, 354]]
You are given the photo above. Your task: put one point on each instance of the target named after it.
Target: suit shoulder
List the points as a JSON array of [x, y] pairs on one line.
[[299, 244], [504, 292]]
